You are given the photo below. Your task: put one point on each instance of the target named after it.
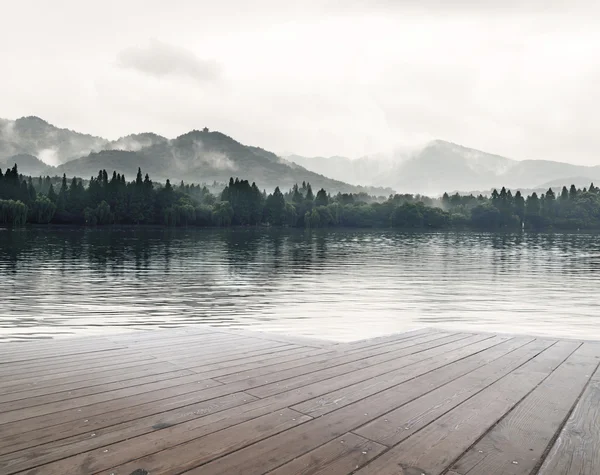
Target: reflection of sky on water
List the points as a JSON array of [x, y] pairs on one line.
[[342, 285]]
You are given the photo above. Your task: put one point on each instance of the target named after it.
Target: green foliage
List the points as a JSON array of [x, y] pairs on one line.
[[485, 216], [275, 209], [42, 210], [13, 212], [103, 200], [222, 214], [322, 199]]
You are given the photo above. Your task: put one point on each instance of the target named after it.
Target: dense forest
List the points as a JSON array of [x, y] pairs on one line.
[[113, 200]]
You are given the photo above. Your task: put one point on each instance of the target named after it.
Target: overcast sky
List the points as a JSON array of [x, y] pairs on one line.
[[327, 77]]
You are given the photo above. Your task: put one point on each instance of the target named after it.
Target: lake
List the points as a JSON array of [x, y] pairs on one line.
[[339, 284]]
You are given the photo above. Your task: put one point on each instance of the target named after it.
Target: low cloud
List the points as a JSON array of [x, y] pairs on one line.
[[197, 157], [49, 156], [160, 59]]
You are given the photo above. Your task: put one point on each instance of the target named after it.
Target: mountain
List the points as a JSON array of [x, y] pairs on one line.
[[444, 166], [364, 170], [27, 165], [203, 156], [52, 145], [136, 142], [197, 156], [578, 181]]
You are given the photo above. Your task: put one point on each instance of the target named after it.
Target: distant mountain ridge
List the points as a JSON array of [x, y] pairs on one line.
[[40, 148], [444, 166]]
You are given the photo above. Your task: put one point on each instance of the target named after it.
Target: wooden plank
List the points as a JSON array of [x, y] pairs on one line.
[[369, 342], [517, 443], [267, 360], [105, 358], [23, 348], [215, 351], [105, 396], [26, 367], [282, 337], [80, 376], [76, 412], [355, 371], [317, 363], [14, 463], [178, 457], [161, 333], [71, 428], [163, 341], [273, 452], [576, 451], [41, 355], [195, 428], [467, 386], [100, 388], [436, 446], [15, 459], [20, 374], [464, 359], [399, 424], [338, 457], [221, 358], [27, 347], [124, 375], [191, 404]]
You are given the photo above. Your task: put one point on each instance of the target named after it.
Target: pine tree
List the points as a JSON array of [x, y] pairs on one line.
[[309, 193], [572, 192], [51, 194], [321, 199]]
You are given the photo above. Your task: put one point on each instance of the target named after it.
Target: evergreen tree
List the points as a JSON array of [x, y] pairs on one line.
[[309, 193], [322, 198], [275, 209], [297, 197], [520, 207], [138, 179], [573, 192], [51, 194], [61, 201]]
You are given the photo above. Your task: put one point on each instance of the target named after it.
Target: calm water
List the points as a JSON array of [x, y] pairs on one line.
[[342, 285]]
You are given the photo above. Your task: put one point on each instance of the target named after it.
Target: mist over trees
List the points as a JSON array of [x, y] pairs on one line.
[[111, 199]]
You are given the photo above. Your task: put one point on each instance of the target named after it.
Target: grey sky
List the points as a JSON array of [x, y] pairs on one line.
[[350, 77]]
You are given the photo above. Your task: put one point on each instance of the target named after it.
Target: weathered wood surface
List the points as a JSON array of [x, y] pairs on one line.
[[211, 401]]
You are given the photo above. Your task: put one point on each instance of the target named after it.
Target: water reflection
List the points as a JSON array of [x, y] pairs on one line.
[[333, 284]]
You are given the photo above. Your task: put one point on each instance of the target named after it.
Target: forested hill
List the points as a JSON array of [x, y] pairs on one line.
[[113, 200], [204, 156], [39, 148]]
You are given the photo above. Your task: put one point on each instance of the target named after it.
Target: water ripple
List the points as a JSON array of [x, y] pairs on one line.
[[341, 285]]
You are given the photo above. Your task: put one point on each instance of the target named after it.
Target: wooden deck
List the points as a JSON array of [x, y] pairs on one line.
[[208, 401]]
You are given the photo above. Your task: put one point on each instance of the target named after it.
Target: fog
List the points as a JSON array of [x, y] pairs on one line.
[[323, 78]]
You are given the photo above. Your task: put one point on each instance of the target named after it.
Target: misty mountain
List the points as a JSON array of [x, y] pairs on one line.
[[136, 142], [578, 181], [203, 156], [27, 165], [197, 156], [36, 137], [364, 170], [444, 166]]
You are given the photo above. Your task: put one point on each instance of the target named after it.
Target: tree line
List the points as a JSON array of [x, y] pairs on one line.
[[113, 200], [572, 209]]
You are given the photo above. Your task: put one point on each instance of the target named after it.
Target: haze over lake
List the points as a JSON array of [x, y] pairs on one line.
[[341, 285]]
